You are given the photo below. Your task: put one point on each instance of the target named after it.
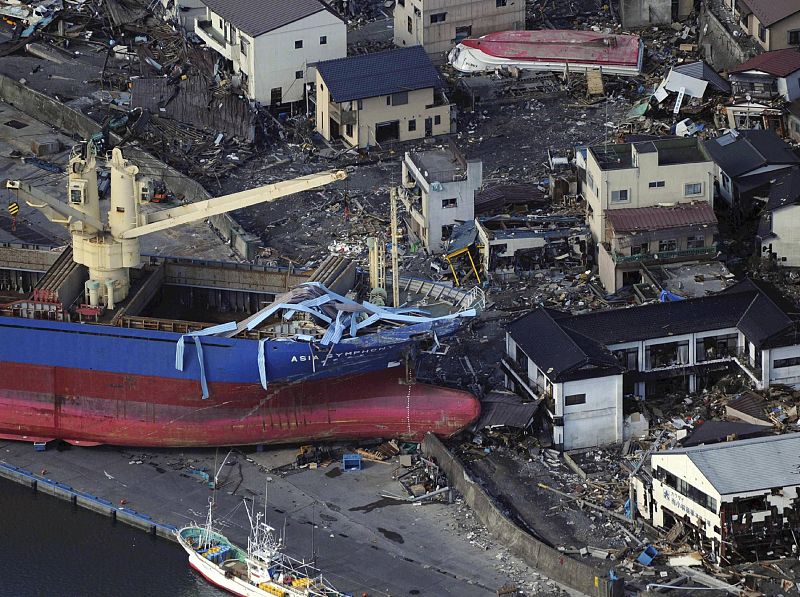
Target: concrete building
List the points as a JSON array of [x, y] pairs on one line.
[[583, 366], [644, 13], [747, 162], [439, 193], [739, 499], [271, 45], [395, 95], [654, 236], [438, 25], [778, 231], [774, 24], [646, 174]]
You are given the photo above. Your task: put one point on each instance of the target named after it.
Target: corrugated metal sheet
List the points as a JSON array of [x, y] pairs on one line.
[[658, 218], [747, 465]]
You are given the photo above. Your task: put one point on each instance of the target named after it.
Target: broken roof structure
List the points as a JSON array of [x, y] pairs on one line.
[[768, 461], [714, 432], [693, 79], [379, 73], [505, 409], [256, 17]]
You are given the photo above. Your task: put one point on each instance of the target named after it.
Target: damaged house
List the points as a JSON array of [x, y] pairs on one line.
[[395, 95], [747, 162], [271, 45], [439, 193], [761, 86], [778, 236], [438, 25], [583, 365], [740, 499], [774, 24], [645, 175]]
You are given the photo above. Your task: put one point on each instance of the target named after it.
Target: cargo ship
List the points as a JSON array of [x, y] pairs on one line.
[[111, 347], [553, 50]]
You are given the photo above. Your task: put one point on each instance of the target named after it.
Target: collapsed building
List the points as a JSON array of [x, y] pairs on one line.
[[592, 361]]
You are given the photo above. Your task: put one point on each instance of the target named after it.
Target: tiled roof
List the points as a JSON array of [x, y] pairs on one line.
[[770, 12], [639, 219], [740, 152], [779, 63], [784, 191], [559, 352], [380, 73], [701, 70], [767, 462], [256, 17], [713, 432]]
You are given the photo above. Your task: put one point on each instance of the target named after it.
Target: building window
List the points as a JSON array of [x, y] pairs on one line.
[[447, 231], [696, 242], [762, 32], [667, 245], [640, 249], [401, 2], [348, 130], [628, 358], [656, 184], [669, 354], [619, 196], [298, 74], [244, 46], [463, 32], [412, 125], [438, 120], [791, 362], [693, 188], [438, 17], [410, 25], [590, 181], [398, 99], [323, 39], [574, 399], [686, 490], [449, 203], [716, 347], [360, 104], [499, 3], [298, 44], [794, 37]]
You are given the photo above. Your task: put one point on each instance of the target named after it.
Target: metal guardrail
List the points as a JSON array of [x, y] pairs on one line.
[[662, 255]]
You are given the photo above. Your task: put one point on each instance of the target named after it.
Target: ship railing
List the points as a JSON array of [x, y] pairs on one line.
[[475, 299]]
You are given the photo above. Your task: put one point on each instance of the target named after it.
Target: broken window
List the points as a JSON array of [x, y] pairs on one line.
[[438, 17], [244, 46], [619, 196], [412, 125], [298, 44], [298, 74], [401, 2], [447, 231], [410, 25], [500, 3], [522, 360], [716, 347], [669, 244], [693, 188], [323, 39], [793, 37], [656, 184], [348, 130], [666, 355], [463, 32], [640, 249], [628, 358], [790, 362], [399, 99], [446, 203], [574, 399], [696, 242]]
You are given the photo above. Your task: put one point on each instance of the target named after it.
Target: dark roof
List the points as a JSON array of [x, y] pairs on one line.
[[637, 219], [712, 432], [255, 17], [562, 354], [770, 12], [381, 73], [750, 404], [701, 70], [504, 409], [763, 320], [779, 63], [784, 191], [740, 152]]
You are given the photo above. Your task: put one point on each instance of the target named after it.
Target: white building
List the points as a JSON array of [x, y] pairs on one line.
[[439, 193], [778, 231], [741, 499], [183, 12], [272, 44], [583, 365]]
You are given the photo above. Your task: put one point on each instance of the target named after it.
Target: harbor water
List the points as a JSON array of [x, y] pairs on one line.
[[49, 547]]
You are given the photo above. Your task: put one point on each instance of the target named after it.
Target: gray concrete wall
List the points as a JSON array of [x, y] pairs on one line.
[[74, 123], [718, 46], [643, 13], [550, 562]]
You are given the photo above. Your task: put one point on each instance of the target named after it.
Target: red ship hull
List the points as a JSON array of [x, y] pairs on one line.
[[92, 407]]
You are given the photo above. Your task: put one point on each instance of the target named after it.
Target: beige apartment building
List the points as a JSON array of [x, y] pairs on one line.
[[775, 24], [377, 98], [438, 25]]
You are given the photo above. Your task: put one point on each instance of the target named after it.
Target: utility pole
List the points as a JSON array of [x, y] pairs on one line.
[[395, 269]]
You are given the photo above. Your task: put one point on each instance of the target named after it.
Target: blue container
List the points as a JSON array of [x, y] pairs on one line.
[[647, 556], [351, 462]]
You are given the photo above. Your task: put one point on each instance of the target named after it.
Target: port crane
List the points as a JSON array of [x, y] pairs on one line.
[[109, 246]]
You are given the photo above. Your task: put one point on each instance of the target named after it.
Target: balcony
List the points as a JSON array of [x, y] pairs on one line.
[[664, 256], [535, 390], [211, 37], [744, 361]]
